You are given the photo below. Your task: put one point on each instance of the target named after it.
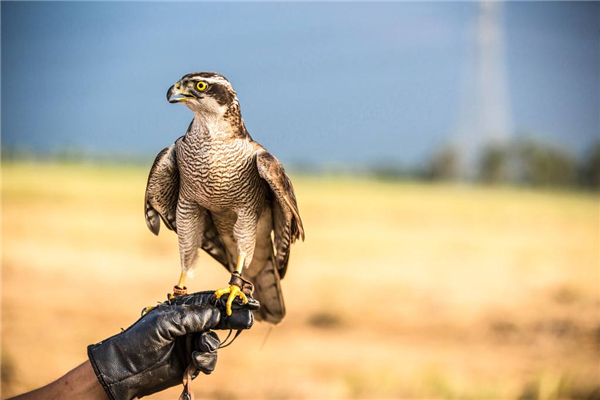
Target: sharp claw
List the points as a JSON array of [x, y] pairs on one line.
[[146, 310], [243, 297]]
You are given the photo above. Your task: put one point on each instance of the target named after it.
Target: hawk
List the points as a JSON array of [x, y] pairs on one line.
[[224, 193]]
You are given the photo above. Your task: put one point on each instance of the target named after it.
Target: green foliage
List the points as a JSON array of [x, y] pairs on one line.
[[545, 165], [589, 171], [524, 162], [494, 164], [443, 165]]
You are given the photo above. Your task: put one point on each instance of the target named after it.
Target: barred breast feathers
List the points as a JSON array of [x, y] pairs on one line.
[[217, 165]]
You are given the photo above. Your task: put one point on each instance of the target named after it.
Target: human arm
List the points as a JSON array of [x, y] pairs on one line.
[[153, 353], [79, 383]]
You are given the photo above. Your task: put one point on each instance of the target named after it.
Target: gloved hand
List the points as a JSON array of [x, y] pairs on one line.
[[153, 353]]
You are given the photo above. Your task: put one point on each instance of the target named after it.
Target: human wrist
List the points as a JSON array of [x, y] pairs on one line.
[[79, 383], [86, 387]]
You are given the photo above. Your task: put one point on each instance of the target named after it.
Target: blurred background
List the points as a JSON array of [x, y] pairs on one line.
[[446, 160]]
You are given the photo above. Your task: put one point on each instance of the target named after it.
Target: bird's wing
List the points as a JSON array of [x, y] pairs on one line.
[[287, 224], [162, 195], [162, 191]]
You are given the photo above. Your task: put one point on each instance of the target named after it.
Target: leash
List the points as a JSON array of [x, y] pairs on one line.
[[188, 375], [191, 371]]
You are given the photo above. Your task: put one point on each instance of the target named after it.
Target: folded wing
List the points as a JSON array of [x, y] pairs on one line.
[[162, 191], [287, 225]]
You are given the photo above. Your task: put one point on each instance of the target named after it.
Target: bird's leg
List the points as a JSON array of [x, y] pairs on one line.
[[235, 285], [180, 289], [190, 220]]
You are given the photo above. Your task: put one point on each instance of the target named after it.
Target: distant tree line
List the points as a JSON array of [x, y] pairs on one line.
[[526, 162]]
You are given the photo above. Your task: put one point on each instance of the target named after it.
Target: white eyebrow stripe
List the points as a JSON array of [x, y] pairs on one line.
[[209, 80]]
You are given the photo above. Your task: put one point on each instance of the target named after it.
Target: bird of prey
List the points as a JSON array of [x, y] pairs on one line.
[[224, 193]]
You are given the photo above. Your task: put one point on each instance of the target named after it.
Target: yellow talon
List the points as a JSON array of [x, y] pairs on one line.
[[146, 310], [221, 292], [233, 291]]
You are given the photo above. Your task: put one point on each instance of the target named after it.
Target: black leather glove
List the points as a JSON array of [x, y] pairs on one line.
[[153, 353]]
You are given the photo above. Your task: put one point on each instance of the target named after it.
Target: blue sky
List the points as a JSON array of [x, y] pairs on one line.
[[323, 83]]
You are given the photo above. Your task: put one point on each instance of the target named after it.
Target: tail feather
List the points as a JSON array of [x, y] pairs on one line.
[[267, 290]]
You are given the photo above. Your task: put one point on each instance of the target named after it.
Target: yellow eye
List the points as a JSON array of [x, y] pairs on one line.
[[201, 86]]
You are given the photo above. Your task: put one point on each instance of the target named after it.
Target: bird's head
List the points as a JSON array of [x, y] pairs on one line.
[[205, 93]]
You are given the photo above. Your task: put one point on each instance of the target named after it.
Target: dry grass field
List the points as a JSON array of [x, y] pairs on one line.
[[401, 290]]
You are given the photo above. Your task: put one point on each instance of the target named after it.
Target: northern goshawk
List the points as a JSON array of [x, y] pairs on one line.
[[221, 191]]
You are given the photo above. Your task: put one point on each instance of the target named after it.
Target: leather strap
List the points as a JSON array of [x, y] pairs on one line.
[[244, 284], [187, 393], [191, 371], [225, 344], [178, 291]]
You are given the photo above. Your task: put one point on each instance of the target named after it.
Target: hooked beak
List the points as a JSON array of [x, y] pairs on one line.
[[179, 94]]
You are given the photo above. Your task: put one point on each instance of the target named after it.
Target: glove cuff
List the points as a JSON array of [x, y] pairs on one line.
[[98, 371]]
